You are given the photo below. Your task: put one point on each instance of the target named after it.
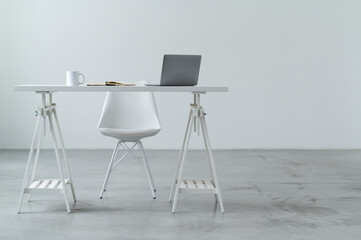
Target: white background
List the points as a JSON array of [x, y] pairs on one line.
[[293, 68]]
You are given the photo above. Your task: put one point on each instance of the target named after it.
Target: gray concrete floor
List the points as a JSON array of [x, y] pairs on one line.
[[267, 195]]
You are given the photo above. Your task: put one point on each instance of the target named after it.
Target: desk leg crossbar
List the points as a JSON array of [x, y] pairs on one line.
[[47, 112], [196, 118]]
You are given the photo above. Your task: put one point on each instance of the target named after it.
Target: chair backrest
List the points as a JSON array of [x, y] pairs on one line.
[[129, 110]]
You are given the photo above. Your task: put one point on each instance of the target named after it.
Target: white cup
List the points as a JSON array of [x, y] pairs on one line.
[[72, 78]]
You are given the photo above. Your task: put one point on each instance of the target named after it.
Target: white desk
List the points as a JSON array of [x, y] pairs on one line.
[[62, 88], [47, 111]]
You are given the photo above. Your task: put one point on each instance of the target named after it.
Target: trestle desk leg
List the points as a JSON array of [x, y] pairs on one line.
[[211, 162], [40, 140], [64, 154], [171, 196], [56, 149], [27, 168], [184, 155]]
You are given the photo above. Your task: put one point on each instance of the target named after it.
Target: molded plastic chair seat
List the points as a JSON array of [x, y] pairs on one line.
[[128, 135]]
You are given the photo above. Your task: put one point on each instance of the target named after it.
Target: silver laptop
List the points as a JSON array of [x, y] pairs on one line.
[[180, 70]]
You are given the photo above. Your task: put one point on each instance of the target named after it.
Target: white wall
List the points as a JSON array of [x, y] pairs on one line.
[[293, 67]]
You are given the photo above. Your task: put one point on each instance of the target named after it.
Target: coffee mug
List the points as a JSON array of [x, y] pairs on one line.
[[72, 78]]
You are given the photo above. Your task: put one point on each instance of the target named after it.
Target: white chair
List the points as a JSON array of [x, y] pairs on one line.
[[129, 117]]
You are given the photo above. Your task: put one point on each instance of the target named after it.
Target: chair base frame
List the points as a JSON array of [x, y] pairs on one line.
[[47, 112], [197, 120], [113, 164]]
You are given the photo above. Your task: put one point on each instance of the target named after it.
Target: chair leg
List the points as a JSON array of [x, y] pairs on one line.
[[109, 169], [146, 164]]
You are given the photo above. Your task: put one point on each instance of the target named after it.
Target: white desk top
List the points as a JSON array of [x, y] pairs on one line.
[[63, 88]]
